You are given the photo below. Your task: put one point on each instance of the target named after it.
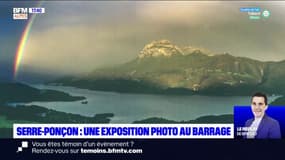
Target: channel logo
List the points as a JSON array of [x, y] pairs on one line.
[[23, 13], [20, 13]]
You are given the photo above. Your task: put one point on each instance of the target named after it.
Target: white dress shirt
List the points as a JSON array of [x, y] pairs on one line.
[[255, 124]]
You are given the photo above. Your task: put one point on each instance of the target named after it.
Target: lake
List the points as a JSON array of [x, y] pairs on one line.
[[130, 107]]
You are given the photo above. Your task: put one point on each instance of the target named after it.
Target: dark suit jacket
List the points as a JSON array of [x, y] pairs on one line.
[[268, 128]]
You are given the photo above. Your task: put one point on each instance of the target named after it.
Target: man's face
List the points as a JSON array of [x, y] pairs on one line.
[[258, 106]]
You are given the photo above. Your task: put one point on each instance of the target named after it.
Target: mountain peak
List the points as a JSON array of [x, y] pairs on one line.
[[160, 48], [166, 48]]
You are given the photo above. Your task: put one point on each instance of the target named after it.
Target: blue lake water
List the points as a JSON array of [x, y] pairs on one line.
[[130, 107]]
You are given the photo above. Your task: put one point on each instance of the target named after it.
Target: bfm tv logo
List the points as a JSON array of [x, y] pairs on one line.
[[20, 13]]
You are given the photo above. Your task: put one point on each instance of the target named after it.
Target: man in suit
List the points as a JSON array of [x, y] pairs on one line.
[[262, 126]]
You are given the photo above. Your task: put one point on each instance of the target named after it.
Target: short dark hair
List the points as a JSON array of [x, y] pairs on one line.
[[259, 94]]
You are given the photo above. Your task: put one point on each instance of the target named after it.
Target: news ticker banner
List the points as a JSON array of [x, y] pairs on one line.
[[103, 131]]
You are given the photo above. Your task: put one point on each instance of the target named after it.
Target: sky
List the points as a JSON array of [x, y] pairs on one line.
[[76, 37]]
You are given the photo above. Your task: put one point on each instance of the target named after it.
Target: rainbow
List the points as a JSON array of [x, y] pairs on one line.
[[22, 44]]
